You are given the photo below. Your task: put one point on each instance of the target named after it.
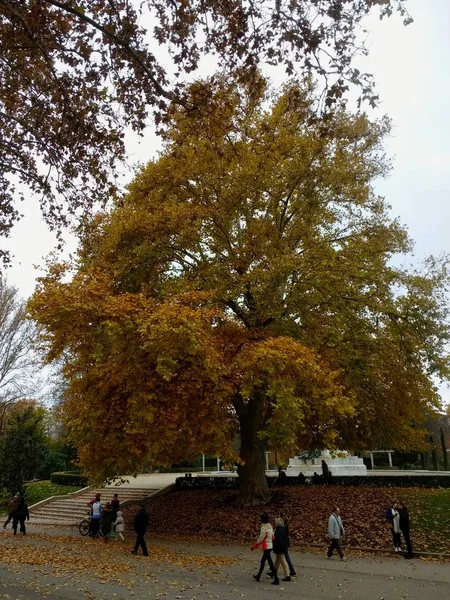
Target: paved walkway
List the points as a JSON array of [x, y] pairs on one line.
[[153, 481], [58, 566]]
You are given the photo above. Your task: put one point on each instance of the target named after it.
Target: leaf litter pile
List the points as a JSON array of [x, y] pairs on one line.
[[212, 514]]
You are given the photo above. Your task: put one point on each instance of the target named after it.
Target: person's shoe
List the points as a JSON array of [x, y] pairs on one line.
[[328, 557], [343, 559], [256, 577], [286, 579], [395, 549], [399, 549], [276, 582], [145, 555], [134, 552], [293, 574]]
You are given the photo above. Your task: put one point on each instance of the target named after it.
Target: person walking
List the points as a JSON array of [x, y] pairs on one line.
[[335, 532], [292, 572], [280, 546], [396, 527], [107, 521], [96, 515], [20, 515], [12, 507], [265, 541], [119, 526], [140, 527], [404, 528]]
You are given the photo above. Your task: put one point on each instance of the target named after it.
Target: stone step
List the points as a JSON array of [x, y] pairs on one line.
[[72, 509], [83, 501]]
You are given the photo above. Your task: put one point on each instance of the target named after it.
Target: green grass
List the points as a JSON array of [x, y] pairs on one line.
[[40, 490], [431, 510]]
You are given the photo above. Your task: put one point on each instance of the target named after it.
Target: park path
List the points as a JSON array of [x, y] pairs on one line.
[[63, 566]]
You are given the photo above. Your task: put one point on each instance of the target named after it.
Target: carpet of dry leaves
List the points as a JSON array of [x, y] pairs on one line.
[[213, 515]]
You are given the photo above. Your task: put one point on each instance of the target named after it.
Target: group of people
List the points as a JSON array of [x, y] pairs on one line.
[[276, 540], [18, 514], [111, 521], [397, 520], [108, 517]]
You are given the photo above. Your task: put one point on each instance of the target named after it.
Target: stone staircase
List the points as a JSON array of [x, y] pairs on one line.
[[70, 510]]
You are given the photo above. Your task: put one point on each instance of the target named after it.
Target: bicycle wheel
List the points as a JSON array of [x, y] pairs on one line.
[[84, 527]]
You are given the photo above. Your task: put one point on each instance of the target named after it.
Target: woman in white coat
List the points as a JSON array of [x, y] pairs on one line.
[[396, 538]]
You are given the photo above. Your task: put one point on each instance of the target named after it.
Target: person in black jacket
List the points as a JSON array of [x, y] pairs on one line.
[[292, 572], [280, 546], [140, 527], [20, 515], [404, 527], [115, 506]]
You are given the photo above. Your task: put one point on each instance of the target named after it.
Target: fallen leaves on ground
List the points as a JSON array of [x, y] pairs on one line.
[[106, 561], [212, 514]]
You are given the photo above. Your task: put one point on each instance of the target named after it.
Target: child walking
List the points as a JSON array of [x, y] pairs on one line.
[[119, 526]]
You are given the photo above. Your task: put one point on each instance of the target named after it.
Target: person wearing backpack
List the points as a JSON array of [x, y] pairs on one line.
[[335, 532]]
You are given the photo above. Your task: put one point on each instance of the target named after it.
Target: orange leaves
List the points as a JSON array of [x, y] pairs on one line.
[[247, 277]]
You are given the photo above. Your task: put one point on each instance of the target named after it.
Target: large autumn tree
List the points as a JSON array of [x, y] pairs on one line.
[[75, 73], [246, 283]]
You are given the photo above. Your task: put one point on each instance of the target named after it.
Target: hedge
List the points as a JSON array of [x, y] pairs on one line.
[[232, 483], [68, 478]]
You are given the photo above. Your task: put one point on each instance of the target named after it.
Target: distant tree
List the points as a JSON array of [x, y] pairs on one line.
[[23, 445], [75, 73], [18, 360], [246, 283]]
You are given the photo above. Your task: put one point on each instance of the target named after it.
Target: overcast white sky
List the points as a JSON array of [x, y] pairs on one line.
[[412, 69]]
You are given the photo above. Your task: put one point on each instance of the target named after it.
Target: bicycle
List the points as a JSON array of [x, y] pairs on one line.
[[85, 527]]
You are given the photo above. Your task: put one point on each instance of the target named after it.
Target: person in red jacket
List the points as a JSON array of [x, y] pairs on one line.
[[265, 541]]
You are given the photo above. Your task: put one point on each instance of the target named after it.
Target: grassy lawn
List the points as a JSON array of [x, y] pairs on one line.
[[431, 509], [39, 490]]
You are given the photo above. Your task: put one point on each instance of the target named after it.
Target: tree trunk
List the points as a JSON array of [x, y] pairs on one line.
[[434, 458], [444, 450], [254, 490]]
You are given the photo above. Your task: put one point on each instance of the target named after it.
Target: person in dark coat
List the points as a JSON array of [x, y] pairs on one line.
[[107, 519], [20, 515], [12, 507], [115, 505], [140, 527], [280, 546], [292, 572], [404, 528]]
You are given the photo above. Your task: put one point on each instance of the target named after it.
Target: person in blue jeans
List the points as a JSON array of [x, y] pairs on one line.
[[96, 515], [292, 572]]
